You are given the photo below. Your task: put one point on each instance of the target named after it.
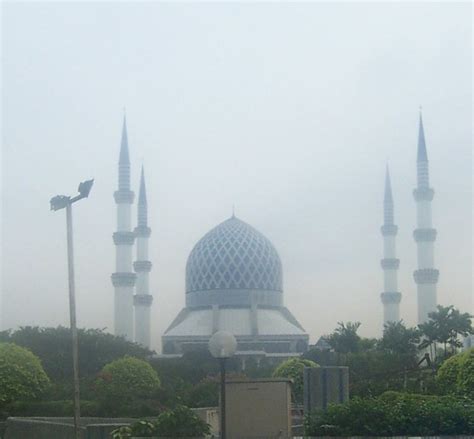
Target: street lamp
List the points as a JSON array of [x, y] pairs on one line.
[[222, 346], [60, 202]]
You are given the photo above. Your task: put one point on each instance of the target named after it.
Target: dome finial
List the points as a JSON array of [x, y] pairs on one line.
[[233, 211]]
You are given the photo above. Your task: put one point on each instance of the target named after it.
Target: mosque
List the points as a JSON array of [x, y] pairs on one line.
[[234, 282], [234, 276]]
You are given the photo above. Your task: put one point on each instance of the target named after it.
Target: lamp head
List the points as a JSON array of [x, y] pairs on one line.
[[59, 202], [222, 345], [85, 188]]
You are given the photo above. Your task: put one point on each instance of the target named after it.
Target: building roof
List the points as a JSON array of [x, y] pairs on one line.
[[233, 256], [237, 321]]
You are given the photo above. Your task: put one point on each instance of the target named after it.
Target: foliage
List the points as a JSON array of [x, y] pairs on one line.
[[21, 374], [53, 347], [445, 326], [293, 369], [180, 422], [125, 380], [394, 414], [372, 373], [398, 339], [465, 381], [203, 394], [456, 374], [345, 339], [447, 375]]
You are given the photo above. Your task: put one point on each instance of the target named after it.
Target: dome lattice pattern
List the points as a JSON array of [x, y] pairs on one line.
[[233, 255]]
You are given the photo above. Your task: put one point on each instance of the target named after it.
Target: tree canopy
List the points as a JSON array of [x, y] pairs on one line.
[[21, 375], [53, 347], [127, 379], [345, 339], [293, 369], [445, 326]]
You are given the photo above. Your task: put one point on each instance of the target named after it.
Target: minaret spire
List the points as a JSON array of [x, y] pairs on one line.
[[124, 279], [143, 299], [426, 277], [422, 155], [390, 297], [124, 154]]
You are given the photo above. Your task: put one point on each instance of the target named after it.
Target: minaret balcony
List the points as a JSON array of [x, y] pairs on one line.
[[142, 300], [390, 263], [124, 196], [424, 235], [142, 266], [123, 279], [391, 297], [389, 230], [142, 231], [124, 238], [426, 276], [423, 194]]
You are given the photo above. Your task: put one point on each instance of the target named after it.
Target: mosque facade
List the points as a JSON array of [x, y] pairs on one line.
[[234, 283]]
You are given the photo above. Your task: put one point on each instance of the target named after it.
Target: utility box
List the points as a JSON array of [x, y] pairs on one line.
[[258, 408], [324, 386]]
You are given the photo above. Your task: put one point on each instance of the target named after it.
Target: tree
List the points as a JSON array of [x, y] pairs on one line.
[[345, 339], [400, 340], [124, 380], [445, 326], [293, 369], [21, 375], [53, 347]]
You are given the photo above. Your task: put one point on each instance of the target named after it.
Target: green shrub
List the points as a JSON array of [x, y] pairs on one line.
[[125, 380], [447, 375], [465, 379], [21, 375], [180, 422], [293, 369], [394, 414], [456, 374]]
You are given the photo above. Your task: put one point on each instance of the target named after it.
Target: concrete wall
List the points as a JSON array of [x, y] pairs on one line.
[[63, 428], [258, 409]]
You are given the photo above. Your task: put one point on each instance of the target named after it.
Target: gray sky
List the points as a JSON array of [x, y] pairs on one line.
[[288, 111]]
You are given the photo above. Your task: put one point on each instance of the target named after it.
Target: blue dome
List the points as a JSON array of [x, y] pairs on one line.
[[233, 256]]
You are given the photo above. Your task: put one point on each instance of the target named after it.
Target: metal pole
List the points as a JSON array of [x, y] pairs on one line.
[[72, 316], [222, 360]]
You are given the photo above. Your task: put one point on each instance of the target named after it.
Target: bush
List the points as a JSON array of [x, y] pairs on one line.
[[456, 374], [293, 369], [447, 375], [394, 414], [465, 379], [125, 380], [21, 374], [180, 422]]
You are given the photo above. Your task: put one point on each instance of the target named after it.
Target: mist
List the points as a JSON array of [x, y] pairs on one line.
[[287, 111]]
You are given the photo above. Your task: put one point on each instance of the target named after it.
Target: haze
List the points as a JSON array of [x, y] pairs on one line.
[[289, 111]]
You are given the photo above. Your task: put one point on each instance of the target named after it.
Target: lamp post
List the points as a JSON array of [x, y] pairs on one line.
[[222, 346], [60, 202]]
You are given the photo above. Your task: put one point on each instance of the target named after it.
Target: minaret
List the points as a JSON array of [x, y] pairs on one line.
[[142, 299], [124, 278], [390, 297], [426, 277]]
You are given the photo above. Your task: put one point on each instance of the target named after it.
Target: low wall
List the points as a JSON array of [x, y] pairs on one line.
[[63, 428]]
